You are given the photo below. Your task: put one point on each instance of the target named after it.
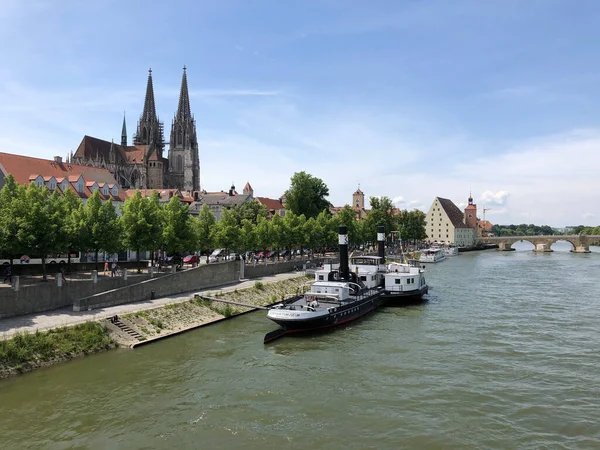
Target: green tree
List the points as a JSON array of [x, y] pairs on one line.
[[248, 237], [178, 227], [205, 229], [12, 211], [100, 226], [251, 210], [411, 225], [40, 225], [141, 224], [347, 216], [382, 213], [71, 236], [227, 232], [307, 195], [264, 234]]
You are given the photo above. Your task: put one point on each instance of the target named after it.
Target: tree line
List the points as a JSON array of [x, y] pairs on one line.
[[34, 220]]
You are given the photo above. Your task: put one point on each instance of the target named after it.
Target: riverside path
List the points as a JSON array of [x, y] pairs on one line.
[[66, 316]]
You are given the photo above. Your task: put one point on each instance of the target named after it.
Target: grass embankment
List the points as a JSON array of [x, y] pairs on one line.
[[28, 351], [153, 323]]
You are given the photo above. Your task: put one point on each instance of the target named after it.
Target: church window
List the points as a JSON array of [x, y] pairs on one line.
[[179, 163], [144, 134]]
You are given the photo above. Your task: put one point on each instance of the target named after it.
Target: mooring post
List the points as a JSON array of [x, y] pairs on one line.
[[125, 274], [59, 279], [16, 282], [95, 276], [151, 272]]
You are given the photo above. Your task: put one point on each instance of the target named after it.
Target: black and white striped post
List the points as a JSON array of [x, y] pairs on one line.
[[343, 242], [381, 242]]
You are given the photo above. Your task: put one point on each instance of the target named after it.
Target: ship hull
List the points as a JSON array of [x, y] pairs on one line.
[[336, 316], [405, 298]]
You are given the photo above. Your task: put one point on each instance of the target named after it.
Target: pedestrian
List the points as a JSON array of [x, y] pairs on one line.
[[62, 275], [8, 275], [113, 269], [105, 267]]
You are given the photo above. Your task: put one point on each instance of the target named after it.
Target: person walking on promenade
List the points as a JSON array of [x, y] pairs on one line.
[[8, 275], [113, 269], [105, 267]]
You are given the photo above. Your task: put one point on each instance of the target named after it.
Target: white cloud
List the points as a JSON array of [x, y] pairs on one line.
[[491, 199]]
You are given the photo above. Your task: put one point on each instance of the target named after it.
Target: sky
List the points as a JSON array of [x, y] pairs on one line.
[[410, 99]]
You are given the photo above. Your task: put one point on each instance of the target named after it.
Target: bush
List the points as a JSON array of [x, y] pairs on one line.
[[259, 286]]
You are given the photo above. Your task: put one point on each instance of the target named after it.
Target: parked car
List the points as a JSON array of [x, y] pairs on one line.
[[191, 259]]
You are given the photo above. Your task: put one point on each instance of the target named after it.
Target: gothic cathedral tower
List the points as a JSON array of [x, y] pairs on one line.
[[149, 128], [184, 162]]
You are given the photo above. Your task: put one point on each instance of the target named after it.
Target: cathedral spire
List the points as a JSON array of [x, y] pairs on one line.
[[184, 110], [149, 113], [124, 133]]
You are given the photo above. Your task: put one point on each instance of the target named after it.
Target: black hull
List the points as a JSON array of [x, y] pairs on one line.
[[342, 315], [405, 298]]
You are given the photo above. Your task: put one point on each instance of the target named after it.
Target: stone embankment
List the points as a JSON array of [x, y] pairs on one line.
[[142, 327], [29, 351]]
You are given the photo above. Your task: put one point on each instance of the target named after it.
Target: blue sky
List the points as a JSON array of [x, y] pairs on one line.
[[411, 99]]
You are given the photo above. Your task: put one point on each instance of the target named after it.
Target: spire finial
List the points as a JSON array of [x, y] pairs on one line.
[[150, 72], [184, 68]]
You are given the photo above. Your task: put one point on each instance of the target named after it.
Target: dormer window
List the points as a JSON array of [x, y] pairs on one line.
[[52, 184]]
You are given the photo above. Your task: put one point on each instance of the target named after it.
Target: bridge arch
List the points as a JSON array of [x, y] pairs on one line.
[[573, 245]]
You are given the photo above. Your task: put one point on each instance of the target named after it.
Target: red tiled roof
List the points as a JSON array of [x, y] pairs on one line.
[[21, 168], [270, 203], [454, 214]]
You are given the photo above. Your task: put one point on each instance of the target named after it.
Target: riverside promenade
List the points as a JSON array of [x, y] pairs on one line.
[[66, 316]]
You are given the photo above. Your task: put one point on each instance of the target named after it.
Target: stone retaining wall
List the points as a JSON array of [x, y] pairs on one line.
[[47, 296], [202, 277]]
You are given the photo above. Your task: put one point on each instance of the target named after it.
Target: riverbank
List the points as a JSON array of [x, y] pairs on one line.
[[25, 351]]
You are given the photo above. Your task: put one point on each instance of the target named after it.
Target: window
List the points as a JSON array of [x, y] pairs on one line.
[[320, 277], [398, 280]]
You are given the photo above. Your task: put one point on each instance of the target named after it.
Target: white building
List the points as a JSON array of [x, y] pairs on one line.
[[445, 223]]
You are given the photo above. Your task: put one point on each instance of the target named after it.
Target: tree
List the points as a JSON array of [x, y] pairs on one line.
[[70, 235], [12, 210], [381, 213], [264, 234], [411, 225], [248, 237], [40, 225], [347, 216], [251, 210], [178, 227], [227, 231], [307, 195], [141, 224], [205, 229], [100, 226]]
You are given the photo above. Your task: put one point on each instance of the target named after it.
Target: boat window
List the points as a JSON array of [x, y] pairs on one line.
[[412, 280], [363, 278], [398, 280], [320, 277]]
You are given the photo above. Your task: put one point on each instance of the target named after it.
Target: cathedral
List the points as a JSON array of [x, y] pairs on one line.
[[142, 165]]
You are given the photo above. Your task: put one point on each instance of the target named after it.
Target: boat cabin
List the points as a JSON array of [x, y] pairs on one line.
[[403, 278], [339, 289], [368, 269]]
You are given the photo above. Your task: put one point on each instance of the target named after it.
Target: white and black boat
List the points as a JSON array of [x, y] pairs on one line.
[[337, 296], [403, 283]]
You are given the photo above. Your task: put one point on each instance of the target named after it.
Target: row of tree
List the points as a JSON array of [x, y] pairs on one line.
[[523, 230], [38, 222]]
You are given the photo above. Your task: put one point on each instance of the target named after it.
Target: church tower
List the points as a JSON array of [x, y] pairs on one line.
[[358, 199], [149, 128], [471, 214], [184, 161]]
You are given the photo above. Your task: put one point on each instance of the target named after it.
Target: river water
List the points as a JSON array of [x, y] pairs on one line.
[[503, 356]]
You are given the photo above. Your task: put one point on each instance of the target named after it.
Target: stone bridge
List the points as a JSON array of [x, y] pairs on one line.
[[581, 243]]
